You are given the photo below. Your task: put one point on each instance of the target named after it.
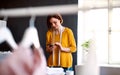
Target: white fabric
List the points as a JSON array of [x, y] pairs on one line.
[[6, 35], [30, 37], [55, 71]]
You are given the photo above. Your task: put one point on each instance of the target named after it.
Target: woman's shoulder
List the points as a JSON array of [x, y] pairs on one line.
[[68, 29], [49, 32]]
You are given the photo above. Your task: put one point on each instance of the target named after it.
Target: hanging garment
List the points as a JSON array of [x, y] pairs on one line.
[[30, 37], [6, 35]]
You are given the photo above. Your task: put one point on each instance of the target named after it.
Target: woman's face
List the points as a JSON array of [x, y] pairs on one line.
[[55, 23]]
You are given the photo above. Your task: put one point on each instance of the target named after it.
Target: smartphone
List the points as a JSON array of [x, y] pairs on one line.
[[50, 45]]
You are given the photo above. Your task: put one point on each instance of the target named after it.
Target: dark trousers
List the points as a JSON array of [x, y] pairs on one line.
[[69, 69]]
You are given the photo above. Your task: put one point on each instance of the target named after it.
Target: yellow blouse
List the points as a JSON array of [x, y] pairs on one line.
[[67, 41]]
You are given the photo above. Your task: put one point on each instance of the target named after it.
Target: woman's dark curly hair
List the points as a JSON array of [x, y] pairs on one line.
[[57, 16]]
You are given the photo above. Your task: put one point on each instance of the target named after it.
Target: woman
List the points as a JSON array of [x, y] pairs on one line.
[[60, 43]]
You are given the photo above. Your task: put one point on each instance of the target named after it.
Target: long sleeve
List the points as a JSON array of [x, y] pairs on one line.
[[71, 41]]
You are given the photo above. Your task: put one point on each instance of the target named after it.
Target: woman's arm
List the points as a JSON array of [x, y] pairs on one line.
[[70, 41]]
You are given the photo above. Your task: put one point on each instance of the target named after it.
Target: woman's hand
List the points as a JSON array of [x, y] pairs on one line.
[[62, 48], [59, 45], [51, 47]]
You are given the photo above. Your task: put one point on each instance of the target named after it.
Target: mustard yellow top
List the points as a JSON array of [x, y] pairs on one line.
[[67, 41]]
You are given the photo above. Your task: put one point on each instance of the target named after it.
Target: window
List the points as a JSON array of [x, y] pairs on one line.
[[100, 19], [115, 37]]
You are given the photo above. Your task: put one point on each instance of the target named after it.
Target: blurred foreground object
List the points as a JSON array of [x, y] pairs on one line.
[[31, 35], [6, 35], [24, 61]]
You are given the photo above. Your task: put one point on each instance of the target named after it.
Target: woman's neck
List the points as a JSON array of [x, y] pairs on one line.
[[59, 30]]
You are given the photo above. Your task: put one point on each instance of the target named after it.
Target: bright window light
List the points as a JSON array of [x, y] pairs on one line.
[[115, 37], [102, 24], [94, 21]]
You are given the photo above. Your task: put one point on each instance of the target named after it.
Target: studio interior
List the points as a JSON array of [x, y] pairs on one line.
[[95, 25]]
